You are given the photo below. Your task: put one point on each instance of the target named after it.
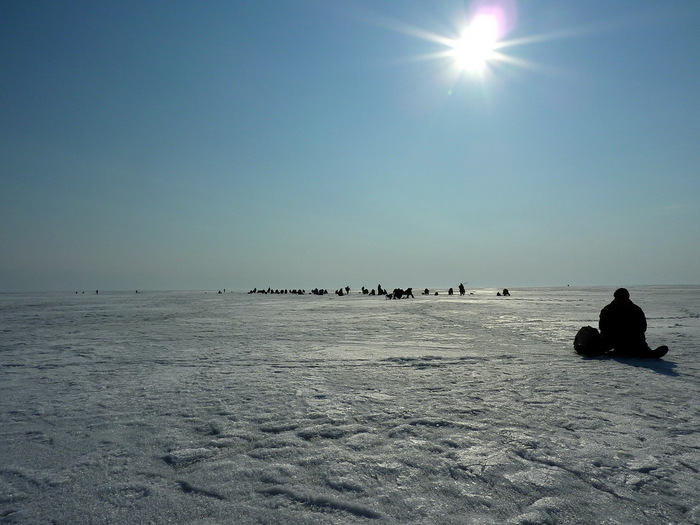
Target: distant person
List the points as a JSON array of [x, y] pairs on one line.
[[461, 289], [450, 291], [623, 326], [506, 293]]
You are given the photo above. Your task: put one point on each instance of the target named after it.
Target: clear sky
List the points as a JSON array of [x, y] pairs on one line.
[[304, 143]]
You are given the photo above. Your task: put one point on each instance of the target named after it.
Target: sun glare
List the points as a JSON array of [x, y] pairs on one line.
[[477, 45]]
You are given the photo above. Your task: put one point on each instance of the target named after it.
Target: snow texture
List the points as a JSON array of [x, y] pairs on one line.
[[200, 408]]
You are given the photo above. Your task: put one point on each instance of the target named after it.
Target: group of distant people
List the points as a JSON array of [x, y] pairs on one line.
[[271, 291], [396, 293]]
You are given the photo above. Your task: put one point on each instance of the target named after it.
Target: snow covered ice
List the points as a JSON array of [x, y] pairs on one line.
[[200, 408]]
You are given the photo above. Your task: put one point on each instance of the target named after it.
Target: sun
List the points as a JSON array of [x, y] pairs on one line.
[[478, 43]]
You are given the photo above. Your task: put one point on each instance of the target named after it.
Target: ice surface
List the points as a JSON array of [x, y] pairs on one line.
[[186, 407]]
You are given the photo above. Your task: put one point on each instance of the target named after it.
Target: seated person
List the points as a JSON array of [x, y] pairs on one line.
[[622, 327]]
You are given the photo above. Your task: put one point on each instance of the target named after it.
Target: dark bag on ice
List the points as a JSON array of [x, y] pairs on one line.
[[588, 341]]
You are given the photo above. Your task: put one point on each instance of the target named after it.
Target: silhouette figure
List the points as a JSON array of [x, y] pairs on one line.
[[622, 328]]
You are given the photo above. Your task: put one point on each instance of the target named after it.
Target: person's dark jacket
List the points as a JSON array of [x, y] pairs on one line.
[[622, 325]]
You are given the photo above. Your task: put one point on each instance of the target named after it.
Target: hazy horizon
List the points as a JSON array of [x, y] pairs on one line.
[[357, 290]]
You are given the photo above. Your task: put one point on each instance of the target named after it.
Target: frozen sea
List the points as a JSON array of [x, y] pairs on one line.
[[200, 408]]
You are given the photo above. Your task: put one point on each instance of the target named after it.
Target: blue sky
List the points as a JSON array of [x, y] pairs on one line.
[[302, 143]]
